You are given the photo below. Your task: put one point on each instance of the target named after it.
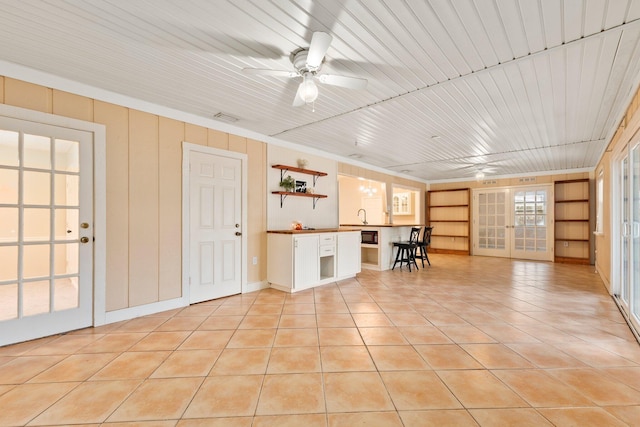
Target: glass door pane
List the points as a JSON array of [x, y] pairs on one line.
[[530, 221], [46, 229], [39, 221], [634, 291], [625, 241], [491, 218]]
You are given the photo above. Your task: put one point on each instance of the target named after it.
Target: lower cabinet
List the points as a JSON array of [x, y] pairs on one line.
[[306, 264], [301, 261], [349, 254]]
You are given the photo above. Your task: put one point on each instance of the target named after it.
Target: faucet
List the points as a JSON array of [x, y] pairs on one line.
[[365, 216]]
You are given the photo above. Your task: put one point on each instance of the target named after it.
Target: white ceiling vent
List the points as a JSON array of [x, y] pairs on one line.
[[225, 117]]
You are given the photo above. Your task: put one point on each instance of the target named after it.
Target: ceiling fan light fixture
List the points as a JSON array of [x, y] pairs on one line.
[[308, 90]]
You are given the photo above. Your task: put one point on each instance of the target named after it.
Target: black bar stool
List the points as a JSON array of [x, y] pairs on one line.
[[422, 245], [407, 250]]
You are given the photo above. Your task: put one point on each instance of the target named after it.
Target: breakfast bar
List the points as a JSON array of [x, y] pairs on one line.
[[377, 251]]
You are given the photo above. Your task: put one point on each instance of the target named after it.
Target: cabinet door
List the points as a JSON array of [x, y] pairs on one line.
[[348, 254], [306, 262]]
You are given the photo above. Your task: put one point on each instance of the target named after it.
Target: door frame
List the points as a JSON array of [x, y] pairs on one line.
[[617, 239], [187, 149], [99, 194], [509, 235]]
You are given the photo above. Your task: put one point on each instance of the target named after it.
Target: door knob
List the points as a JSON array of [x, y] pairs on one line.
[[84, 239], [238, 233], [84, 225]]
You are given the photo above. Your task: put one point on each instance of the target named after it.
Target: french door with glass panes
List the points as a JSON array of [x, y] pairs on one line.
[[46, 230], [626, 283], [513, 222]]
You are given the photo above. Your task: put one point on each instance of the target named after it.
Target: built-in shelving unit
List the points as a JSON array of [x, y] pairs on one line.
[[571, 206], [284, 194], [449, 214]]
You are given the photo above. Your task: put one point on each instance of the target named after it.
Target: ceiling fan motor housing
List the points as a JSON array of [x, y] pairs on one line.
[[299, 60]]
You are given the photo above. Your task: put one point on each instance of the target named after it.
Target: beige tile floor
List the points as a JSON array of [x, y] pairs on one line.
[[469, 341]]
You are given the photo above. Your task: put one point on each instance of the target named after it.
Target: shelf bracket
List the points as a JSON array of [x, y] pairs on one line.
[[282, 197], [315, 177], [282, 172], [315, 199]]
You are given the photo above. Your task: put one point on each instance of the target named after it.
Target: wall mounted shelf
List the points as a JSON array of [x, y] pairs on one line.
[[284, 194], [284, 169]]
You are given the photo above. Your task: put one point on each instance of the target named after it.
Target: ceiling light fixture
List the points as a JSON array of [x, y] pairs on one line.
[[369, 191], [479, 176], [308, 90]]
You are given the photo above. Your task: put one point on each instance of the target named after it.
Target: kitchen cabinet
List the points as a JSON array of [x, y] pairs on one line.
[[301, 260], [305, 261], [348, 259], [402, 204]]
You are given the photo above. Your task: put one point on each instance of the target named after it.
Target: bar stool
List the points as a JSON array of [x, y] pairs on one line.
[[421, 252], [407, 250]]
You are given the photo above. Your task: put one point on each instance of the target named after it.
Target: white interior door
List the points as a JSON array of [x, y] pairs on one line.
[[215, 205], [513, 222], [46, 230]]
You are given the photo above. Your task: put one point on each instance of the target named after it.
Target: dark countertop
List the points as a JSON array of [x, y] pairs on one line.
[[381, 225], [319, 230]]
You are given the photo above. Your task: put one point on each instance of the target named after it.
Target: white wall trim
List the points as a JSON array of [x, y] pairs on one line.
[[143, 310], [255, 286], [99, 193], [187, 149]]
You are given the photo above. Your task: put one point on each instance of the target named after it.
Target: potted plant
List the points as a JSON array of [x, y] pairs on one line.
[[288, 183]]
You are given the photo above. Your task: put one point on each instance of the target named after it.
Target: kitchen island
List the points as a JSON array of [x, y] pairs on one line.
[[302, 259], [380, 255]]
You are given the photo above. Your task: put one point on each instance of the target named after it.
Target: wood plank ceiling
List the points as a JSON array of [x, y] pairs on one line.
[[509, 87]]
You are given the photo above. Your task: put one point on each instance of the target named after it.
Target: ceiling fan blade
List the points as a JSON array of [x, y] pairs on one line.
[[319, 44], [268, 72], [298, 101], [343, 81]]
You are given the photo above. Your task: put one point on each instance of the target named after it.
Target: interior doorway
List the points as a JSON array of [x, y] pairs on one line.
[[46, 229], [513, 222], [214, 212]]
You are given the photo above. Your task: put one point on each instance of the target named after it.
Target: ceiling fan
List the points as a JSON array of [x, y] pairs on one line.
[[307, 64]]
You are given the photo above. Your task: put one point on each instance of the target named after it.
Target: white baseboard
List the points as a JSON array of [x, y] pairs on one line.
[[144, 310], [157, 307], [255, 286]]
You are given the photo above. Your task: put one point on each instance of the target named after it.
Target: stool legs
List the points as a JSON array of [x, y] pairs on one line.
[[406, 254]]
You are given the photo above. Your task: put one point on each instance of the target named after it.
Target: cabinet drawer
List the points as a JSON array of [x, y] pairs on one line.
[[327, 239], [327, 250]]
